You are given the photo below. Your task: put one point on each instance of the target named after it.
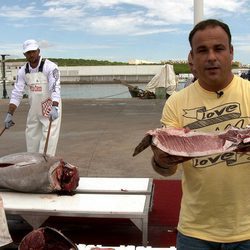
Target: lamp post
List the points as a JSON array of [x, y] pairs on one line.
[[3, 75]]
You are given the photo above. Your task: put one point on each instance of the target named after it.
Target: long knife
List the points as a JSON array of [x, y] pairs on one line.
[[47, 140], [12, 123], [2, 131]]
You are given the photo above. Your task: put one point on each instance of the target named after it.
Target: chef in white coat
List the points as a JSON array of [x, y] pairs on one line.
[[5, 237], [42, 79]]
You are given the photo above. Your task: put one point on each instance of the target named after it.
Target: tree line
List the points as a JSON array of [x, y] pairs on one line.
[[178, 67]]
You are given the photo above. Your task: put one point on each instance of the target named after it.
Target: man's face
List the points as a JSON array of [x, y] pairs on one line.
[[212, 57], [32, 56]]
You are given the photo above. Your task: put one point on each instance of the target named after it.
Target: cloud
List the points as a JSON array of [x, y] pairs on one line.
[[242, 43], [105, 17], [132, 17], [226, 5], [114, 23], [123, 17], [17, 12], [155, 31], [44, 44], [74, 12]]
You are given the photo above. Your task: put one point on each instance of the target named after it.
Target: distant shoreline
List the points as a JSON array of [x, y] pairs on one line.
[[99, 82]]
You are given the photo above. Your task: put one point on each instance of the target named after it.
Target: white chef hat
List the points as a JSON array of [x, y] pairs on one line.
[[30, 45]]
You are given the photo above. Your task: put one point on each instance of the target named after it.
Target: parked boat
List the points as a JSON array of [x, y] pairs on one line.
[[134, 90], [163, 83], [143, 94], [161, 86]]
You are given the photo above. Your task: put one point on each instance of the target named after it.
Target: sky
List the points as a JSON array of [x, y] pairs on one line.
[[116, 30]]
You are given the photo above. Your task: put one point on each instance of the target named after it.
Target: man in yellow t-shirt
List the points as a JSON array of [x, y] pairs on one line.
[[215, 207]]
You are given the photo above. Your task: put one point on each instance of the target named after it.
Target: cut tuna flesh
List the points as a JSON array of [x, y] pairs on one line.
[[183, 142]]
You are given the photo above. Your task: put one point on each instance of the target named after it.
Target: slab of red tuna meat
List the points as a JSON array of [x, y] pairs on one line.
[[181, 142]]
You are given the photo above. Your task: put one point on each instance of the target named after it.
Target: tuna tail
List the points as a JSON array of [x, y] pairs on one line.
[[146, 141]]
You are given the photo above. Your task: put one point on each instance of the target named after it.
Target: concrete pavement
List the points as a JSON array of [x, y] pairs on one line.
[[97, 135]]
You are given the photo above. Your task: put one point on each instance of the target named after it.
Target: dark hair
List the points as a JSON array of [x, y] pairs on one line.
[[206, 23]]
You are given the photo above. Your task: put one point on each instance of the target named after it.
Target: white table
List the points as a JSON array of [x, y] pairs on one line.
[[115, 185], [95, 197], [130, 247]]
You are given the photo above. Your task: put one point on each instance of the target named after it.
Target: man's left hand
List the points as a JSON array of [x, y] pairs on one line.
[[54, 113]]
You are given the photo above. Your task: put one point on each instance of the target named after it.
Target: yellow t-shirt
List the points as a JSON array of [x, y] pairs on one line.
[[216, 189]]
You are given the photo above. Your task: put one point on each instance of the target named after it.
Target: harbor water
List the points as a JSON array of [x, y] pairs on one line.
[[94, 91], [84, 91], [102, 91]]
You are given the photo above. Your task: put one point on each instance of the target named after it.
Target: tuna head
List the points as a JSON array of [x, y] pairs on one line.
[[31, 172], [64, 177]]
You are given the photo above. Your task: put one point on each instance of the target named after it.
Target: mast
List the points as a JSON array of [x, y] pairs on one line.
[[198, 11]]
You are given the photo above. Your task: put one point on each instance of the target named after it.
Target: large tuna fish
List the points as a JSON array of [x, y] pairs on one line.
[[32, 172]]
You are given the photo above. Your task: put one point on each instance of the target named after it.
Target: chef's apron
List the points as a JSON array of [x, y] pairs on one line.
[[5, 237], [38, 116]]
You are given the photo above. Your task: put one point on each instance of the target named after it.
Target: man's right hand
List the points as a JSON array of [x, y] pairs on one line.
[[164, 163], [8, 122]]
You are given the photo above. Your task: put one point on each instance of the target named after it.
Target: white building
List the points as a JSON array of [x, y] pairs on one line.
[[93, 74]]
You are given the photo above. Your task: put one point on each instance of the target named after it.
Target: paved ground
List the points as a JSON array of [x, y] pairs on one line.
[[97, 135]]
